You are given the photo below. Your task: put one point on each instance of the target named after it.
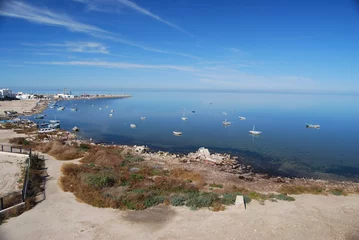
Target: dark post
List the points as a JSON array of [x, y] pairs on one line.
[[2, 148], [10, 149], [1, 203]]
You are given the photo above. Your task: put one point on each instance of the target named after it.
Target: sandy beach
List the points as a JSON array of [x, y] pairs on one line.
[[19, 106], [11, 166]]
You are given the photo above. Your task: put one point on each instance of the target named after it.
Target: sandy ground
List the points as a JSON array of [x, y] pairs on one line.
[[11, 166], [61, 216], [6, 134], [17, 105]]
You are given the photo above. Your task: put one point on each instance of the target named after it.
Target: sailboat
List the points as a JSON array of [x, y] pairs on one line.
[[254, 132], [183, 117], [133, 125], [226, 123], [177, 133], [241, 118], [143, 118]]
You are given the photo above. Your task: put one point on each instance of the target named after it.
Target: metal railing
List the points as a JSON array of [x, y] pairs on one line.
[[12, 149]]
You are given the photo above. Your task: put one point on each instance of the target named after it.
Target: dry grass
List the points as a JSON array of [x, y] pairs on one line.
[[103, 157], [60, 151], [189, 176]]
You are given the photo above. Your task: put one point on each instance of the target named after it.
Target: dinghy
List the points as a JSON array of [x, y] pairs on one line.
[[177, 133], [133, 125]]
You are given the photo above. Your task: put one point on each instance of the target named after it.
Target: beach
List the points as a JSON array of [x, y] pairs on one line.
[[20, 106]]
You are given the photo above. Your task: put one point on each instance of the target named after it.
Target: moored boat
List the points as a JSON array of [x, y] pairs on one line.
[[46, 130], [133, 125], [312, 125], [226, 123], [177, 133], [254, 132]]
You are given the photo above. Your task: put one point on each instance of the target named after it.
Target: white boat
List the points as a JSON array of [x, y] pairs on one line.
[[241, 118], [54, 125], [111, 114], [224, 113], [112, 111], [226, 123], [46, 130], [177, 133], [312, 125], [184, 118], [133, 125], [143, 118], [60, 108], [54, 121], [74, 109], [99, 108], [254, 132], [76, 129]]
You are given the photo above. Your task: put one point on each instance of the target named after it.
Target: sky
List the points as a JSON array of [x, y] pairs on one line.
[[244, 45]]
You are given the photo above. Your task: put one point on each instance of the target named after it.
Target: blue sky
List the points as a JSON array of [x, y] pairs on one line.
[[248, 45]]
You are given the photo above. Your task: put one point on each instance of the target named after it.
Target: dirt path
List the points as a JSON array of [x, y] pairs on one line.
[[60, 216]]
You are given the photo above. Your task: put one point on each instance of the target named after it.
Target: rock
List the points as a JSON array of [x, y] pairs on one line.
[[239, 203]]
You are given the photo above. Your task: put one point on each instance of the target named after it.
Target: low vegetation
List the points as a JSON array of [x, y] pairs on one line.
[[317, 190], [60, 150], [108, 177]]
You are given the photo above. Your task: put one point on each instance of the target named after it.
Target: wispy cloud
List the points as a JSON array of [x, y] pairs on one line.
[[82, 47], [144, 11], [123, 65], [33, 14], [112, 5]]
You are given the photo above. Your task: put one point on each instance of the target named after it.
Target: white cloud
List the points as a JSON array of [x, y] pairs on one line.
[[144, 11], [123, 65], [83, 47], [30, 13], [113, 6]]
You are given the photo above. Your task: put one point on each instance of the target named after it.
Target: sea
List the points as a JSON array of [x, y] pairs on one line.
[[285, 147]]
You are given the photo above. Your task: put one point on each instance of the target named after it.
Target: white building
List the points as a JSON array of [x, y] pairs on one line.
[[21, 95], [64, 96], [6, 93]]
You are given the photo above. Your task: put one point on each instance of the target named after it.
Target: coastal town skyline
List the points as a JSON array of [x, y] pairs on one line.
[[237, 46]]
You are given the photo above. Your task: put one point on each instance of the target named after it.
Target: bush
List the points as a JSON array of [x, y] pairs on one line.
[[200, 200], [84, 146], [282, 197], [294, 189], [101, 181], [20, 141], [338, 192], [178, 200], [153, 200]]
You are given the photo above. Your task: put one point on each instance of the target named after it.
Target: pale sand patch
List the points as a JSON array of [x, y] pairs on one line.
[[19, 106], [7, 134], [60, 216], [11, 169]]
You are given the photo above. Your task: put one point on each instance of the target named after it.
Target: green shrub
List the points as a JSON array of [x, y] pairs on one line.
[[282, 197], [338, 192], [178, 200], [153, 200], [101, 181], [200, 200], [136, 177], [84, 146]]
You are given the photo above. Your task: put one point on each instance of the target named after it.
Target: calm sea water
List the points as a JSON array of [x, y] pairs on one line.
[[285, 146]]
